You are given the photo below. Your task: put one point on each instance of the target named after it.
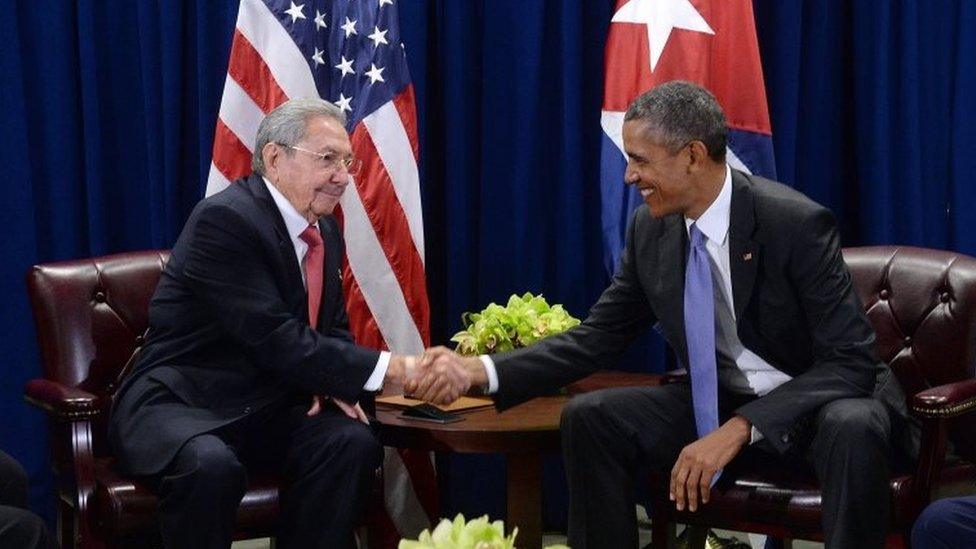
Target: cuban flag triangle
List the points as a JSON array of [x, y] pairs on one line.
[[709, 42]]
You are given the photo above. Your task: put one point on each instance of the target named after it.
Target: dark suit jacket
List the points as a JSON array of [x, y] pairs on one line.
[[229, 332], [794, 304]]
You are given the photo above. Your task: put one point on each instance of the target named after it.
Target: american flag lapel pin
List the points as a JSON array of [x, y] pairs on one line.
[[747, 256]]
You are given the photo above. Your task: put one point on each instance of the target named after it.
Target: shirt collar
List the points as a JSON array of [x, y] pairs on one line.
[[294, 221], [714, 221]]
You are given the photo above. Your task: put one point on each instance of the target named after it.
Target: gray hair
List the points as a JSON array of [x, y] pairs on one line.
[[679, 112], [287, 124]]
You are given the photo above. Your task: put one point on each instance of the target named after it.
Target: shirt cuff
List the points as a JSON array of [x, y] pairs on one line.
[[755, 436], [375, 381], [492, 374]]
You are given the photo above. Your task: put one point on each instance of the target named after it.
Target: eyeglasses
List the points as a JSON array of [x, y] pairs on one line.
[[332, 160]]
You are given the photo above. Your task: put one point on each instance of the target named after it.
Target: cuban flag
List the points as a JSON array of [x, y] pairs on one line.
[[709, 42], [348, 52]]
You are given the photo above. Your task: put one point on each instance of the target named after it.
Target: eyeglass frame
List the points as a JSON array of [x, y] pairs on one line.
[[351, 164]]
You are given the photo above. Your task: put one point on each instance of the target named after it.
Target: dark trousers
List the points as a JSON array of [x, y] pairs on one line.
[[946, 524], [328, 463], [609, 436], [18, 526]]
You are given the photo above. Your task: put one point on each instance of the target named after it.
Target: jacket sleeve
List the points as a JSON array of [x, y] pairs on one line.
[[228, 272], [844, 364], [612, 324]]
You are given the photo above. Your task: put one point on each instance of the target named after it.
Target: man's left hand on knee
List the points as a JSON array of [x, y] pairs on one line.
[[698, 463]]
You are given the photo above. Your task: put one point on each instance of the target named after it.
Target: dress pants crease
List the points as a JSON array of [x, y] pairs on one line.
[[612, 436], [327, 463]]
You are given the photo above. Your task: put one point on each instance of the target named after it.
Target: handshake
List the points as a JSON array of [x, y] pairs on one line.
[[440, 375]]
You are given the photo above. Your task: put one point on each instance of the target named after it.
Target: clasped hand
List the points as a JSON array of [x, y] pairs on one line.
[[440, 376]]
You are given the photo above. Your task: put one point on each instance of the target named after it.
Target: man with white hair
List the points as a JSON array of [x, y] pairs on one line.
[[247, 327]]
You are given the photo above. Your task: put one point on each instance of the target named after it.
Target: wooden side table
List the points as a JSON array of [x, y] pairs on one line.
[[523, 434]]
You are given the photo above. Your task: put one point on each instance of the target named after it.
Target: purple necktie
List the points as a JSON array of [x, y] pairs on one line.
[[700, 334]]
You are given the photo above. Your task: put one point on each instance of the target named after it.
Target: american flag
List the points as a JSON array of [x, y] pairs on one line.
[[348, 52], [710, 42]]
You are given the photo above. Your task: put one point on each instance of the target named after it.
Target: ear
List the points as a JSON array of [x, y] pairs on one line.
[[271, 154], [698, 156]]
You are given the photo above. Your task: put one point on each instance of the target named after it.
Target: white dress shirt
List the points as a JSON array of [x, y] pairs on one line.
[[296, 223], [759, 377]]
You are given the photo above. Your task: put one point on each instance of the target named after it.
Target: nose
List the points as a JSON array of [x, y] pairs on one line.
[[341, 177], [630, 175]]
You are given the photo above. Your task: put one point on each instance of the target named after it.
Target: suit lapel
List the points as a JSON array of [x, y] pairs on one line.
[[671, 249], [331, 276], [743, 250], [296, 297]]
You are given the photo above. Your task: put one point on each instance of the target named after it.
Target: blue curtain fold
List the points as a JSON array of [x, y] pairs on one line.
[[107, 116], [107, 113]]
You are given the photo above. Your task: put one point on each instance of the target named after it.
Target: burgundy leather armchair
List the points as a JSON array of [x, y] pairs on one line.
[[922, 304], [91, 315]]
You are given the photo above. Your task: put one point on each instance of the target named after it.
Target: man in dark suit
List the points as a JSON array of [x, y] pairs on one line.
[[946, 524], [247, 326], [745, 278], [18, 526]]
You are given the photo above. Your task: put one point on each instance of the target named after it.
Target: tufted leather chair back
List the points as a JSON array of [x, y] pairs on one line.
[[922, 304], [91, 315]]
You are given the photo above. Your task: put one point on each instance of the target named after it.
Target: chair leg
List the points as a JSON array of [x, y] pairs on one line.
[[778, 543], [66, 525], [663, 531], [696, 536]]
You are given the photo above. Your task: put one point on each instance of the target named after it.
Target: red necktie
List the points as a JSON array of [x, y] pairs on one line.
[[314, 261]]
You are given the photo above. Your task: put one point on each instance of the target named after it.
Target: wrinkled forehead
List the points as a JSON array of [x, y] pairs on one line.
[[325, 133]]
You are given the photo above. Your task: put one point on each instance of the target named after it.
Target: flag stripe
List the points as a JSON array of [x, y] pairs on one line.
[[367, 331], [240, 113], [612, 123], [374, 273], [406, 106], [397, 480], [389, 223], [230, 155], [216, 181], [283, 58], [248, 68], [420, 465], [390, 138]]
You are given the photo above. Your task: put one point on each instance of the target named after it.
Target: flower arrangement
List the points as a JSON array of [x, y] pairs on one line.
[[522, 322], [475, 534]]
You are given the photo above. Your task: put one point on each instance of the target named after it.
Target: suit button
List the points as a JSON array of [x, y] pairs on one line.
[[785, 438], [247, 410], [884, 294]]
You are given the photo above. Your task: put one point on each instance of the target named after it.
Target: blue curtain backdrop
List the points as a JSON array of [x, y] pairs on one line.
[[107, 112]]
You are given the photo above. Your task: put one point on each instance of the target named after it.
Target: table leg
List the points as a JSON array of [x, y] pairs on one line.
[[525, 499]]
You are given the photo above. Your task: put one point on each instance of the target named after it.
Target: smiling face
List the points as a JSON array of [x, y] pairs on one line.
[[311, 184], [663, 178]]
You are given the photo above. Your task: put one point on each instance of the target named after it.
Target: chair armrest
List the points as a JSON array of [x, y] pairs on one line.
[[943, 401], [61, 401]]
